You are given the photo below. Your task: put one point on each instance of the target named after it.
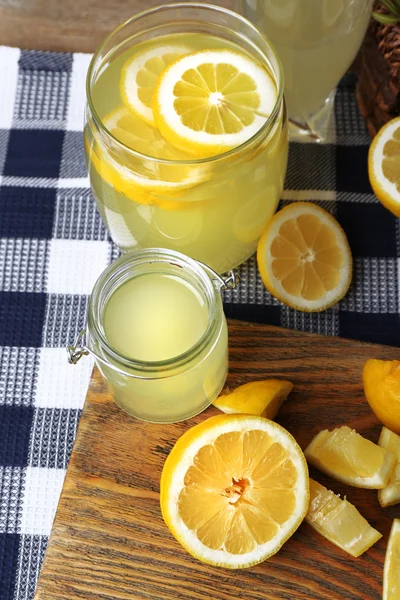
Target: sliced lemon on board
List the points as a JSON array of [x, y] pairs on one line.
[[263, 398], [140, 75], [391, 570], [348, 457], [144, 181], [381, 380], [233, 489], [339, 521], [304, 258], [211, 101], [390, 494], [384, 165]]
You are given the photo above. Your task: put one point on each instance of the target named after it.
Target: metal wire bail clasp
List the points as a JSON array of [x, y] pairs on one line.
[[231, 281], [76, 351]]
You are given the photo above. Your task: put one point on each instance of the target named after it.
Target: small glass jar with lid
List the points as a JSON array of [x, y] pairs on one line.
[[157, 330]]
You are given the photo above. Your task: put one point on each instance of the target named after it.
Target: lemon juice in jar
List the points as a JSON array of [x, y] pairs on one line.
[[186, 136], [157, 330]]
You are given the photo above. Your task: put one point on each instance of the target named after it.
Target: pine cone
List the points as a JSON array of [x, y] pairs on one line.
[[388, 37], [378, 89]]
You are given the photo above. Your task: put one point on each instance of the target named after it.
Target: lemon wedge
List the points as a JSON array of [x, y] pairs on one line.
[[263, 398], [211, 101], [304, 258], [391, 571], [143, 181], [339, 521], [348, 457], [233, 489], [390, 494], [140, 75], [384, 165]]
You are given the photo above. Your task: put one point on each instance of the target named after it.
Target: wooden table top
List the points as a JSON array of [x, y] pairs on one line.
[[109, 541], [67, 25]]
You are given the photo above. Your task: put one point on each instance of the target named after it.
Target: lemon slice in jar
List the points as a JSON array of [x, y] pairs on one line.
[[158, 180], [140, 75], [211, 101]]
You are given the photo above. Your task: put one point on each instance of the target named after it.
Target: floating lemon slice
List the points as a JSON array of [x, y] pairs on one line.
[[263, 398], [304, 258], [158, 180], [211, 101], [348, 457], [233, 489], [339, 521], [391, 493], [140, 75], [391, 573], [384, 165]]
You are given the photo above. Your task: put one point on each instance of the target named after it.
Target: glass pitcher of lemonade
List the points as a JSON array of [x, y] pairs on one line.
[[317, 40], [186, 133]]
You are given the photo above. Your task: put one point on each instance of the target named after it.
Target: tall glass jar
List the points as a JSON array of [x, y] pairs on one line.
[[212, 209], [164, 390]]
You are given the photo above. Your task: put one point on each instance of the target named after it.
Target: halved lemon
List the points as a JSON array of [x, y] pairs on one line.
[[339, 521], [381, 380], [143, 180], [211, 101], [233, 489], [140, 75], [348, 457], [263, 398], [390, 494], [391, 572], [384, 165], [304, 258]]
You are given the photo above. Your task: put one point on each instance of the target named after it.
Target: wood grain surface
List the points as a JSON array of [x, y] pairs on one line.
[[109, 541], [68, 25]]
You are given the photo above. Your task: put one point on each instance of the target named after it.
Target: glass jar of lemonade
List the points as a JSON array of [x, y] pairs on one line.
[[186, 133], [158, 332]]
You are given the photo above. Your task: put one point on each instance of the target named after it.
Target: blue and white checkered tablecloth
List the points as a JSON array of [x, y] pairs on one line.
[[53, 246]]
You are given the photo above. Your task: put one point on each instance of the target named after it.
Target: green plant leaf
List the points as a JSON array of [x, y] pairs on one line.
[[393, 6], [386, 19]]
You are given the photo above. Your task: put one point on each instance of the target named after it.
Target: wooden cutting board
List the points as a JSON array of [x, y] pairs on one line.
[[109, 540]]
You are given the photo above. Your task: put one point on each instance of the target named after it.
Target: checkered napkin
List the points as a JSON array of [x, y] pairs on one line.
[[53, 246]]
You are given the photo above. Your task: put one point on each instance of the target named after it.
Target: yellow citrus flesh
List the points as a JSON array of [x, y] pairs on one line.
[[211, 101], [339, 521], [144, 181], [390, 494], [384, 166], [263, 398], [348, 457], [391, 572], [382, 390], [140, 75], [233, 489], [304, 258]]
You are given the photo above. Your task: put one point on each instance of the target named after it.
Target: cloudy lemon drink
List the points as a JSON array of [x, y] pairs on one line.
[[158, 332], [186, 137], [317, 40]]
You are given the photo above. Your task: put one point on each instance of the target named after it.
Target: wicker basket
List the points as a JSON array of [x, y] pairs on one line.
[[378, 88]]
